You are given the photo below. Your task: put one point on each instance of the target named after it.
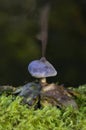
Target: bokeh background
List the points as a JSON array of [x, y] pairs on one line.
[[66, 49]]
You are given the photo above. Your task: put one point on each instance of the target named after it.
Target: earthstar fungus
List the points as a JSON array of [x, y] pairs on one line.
[[41, 69]]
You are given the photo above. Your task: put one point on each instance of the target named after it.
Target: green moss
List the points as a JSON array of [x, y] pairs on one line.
[[15, 116]]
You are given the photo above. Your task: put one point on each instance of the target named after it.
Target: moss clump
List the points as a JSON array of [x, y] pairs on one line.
[[15, 116]]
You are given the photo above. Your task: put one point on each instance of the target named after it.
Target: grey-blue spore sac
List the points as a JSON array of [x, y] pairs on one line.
[[40, 69]]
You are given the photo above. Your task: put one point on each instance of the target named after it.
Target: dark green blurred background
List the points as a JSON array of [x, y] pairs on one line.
[[66, 49]]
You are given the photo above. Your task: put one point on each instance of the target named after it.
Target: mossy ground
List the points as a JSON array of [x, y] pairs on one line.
[[15, 116]]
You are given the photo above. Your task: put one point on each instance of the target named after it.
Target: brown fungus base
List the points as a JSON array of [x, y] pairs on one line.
[[40, 95]]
